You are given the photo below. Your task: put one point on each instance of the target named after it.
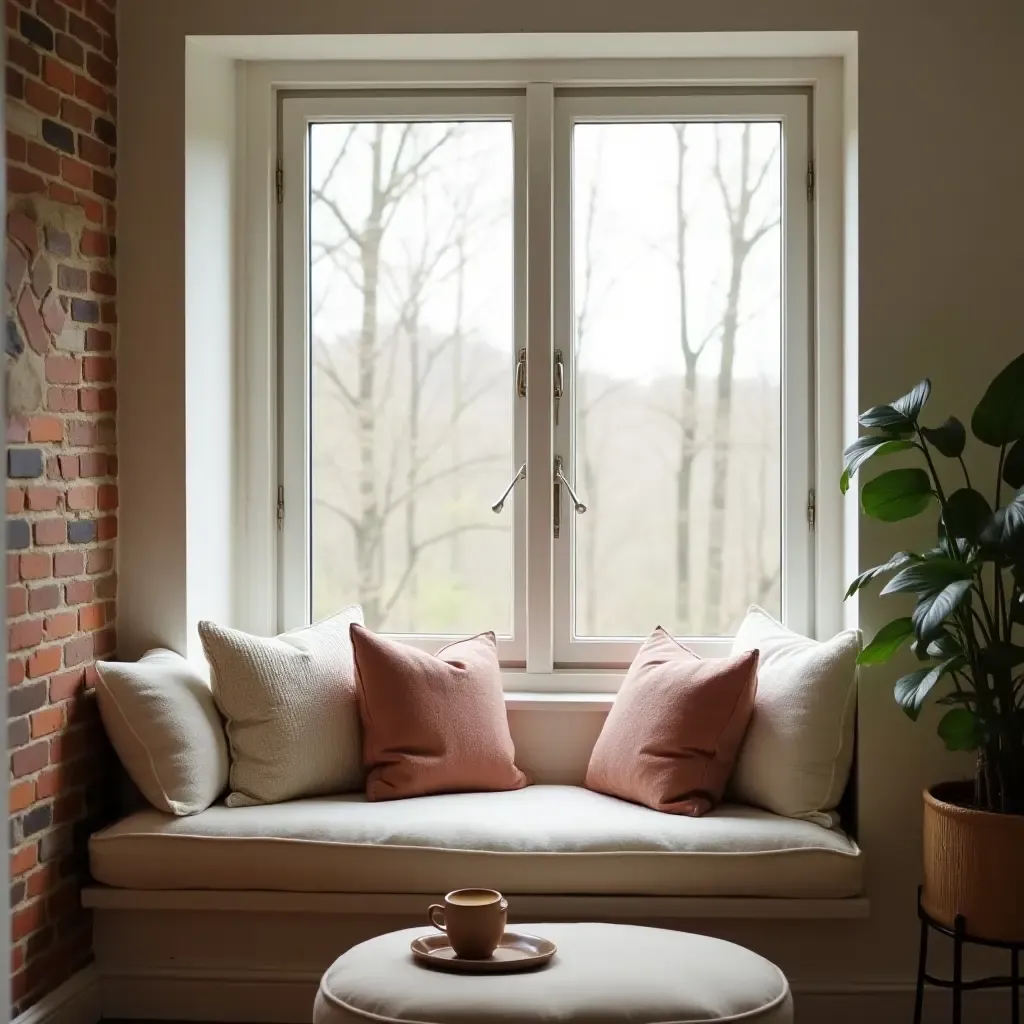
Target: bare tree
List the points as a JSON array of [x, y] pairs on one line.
[[743, 237]]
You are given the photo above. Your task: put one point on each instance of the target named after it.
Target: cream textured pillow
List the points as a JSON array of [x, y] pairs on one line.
[[798, 750], [160, 716], [290, 703]]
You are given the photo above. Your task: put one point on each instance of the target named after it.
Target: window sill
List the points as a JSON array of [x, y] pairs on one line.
[[524, 700]]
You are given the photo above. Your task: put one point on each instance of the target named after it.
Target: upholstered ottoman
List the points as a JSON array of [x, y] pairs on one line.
[[601, 974]]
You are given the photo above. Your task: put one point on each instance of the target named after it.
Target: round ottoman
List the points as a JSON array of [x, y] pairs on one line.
[[601, 974]]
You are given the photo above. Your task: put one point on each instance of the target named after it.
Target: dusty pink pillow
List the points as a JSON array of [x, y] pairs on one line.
[[432, 723], [673, 733]]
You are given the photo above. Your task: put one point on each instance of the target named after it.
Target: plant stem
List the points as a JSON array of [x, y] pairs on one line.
[[963, 466]]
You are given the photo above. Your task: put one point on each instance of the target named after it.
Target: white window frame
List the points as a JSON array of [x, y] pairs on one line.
[[263, 604]]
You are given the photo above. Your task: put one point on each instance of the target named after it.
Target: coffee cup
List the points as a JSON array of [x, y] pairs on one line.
[[474, 920]]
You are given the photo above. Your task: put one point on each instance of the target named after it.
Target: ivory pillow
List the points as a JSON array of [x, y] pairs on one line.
[[161, 719], [291, 710], [433, 723], [797, 755], [671, 737]]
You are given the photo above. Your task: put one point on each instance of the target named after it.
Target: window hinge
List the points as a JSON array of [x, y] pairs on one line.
[[810, 180], [812, 509], [280, 507], [279, 180]]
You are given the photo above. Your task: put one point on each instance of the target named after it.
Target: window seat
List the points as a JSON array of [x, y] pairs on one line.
[[545, 839]]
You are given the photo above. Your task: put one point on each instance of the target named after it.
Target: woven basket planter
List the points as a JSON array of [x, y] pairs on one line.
[[973, 865]]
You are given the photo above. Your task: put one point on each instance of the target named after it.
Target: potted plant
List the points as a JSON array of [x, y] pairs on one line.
[[967, 630]]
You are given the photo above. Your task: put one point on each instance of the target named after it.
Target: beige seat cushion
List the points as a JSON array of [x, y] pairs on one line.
[[601, 974], [543, 839]]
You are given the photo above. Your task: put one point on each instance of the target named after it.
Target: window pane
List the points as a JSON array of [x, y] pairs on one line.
[[677, 284], [411, 317]]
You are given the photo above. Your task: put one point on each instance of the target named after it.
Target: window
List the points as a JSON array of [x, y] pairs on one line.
[[546, 365]]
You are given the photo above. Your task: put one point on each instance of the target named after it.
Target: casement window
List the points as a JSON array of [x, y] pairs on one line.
[[546, 364]]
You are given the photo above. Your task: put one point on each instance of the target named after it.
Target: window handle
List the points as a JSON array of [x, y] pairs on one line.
[[500, 503], [559, 479]]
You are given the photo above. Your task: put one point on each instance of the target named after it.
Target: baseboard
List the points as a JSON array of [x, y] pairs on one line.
[[272, 997], [77, 1001]]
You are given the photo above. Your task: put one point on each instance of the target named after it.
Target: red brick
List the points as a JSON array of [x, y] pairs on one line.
[[28, 920], [89, 92], [17, 430], [98, 341], [35, 330], [27, 857], [107, 497], [59, 75], [15, 671], [47, 721], [68, 466], [62, 370], [78, 592], [85, 30], [48, 532], [78, 650], [52, 780], [101, 69], [42, 97], [97, 399], [44, 159], [106, 528], [92, 464], [23, 182], [43, 599], [97, 369], [101, 15], [104, 185], [35, 566], [21, 795], [15, 82], [15, 500], [82, 433], [93, 208], [17, 601], [61, 193], [52, 13], [104, 643], [95, 243], [41, 663], [21, 53], [74, 172], [45, 428], [103, 284], [68, 563], [30, 759], [92, 617], [11, 15], [93, 152], [75, 114], [66, 685], [59, 626], [42, 499], [41, 880], [81, 498], [100, 560], [71, 52], [17, 149], [62, 399], [23, 635], [108, 312]]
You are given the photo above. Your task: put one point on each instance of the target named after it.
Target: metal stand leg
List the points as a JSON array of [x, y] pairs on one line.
[[958, 965], [922, 967], [1015, 989]]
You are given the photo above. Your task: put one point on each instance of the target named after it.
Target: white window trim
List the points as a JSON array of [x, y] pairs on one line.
[[259, 603]]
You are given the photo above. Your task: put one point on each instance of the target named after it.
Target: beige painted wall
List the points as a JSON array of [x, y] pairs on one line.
[[942, 214]]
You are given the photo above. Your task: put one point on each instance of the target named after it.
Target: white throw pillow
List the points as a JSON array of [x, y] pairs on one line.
[[798, 751], [292, 713], [161, 718]]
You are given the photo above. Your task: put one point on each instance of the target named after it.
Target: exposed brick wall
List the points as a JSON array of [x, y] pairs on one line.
[[61, 110]]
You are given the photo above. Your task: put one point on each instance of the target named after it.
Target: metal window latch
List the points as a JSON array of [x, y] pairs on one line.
[[559, 480], [521, 376], [500, 503], [559, 381]]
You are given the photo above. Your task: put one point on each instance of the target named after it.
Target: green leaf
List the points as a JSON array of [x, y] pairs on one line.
[[967, 513], [911, 404], [897, 494], [911, 689], [949, 439], [1013, 465], [999, 417], [928, 576], [944, 645], [1006, 528], [885, 417], [888, 640], [900, 559], [958, 730], [933, 609], [865, 448]]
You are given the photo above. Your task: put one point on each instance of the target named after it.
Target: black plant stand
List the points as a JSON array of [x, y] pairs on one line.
[[958, 933]]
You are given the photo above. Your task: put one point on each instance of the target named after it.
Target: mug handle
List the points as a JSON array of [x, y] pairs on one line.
[[432, 911]]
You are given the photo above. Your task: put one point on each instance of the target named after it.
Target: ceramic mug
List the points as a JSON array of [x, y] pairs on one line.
[[474, 920]]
